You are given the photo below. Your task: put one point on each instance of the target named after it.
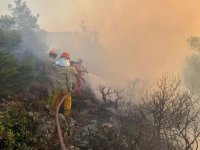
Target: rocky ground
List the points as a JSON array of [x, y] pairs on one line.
[[90, 126]]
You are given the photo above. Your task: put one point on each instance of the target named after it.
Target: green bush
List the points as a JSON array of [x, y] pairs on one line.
[[15, 76], [17, 130], [8, 73], [9, 39], [26, 73]]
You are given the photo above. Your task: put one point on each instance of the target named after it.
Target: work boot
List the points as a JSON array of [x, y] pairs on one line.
[[67, 113]]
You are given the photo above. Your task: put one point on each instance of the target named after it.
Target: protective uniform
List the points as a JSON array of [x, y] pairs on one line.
[[71, 80], [49, 70], [80, 72], [62, 86]]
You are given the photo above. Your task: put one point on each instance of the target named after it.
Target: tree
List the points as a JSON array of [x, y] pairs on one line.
[[27, 24], [24, 19], [194, 43], [27, 73], [9, 36], [14, 76], [8, 73], [7, 22], [191, 70], [9, 39], [110, 96], [134, 127], [174, 114]]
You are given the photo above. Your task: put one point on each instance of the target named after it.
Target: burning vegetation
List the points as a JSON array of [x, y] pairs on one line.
[[162, 116]]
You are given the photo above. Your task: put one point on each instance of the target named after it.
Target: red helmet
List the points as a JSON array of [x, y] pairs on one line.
[[53, 52], [65, 55]]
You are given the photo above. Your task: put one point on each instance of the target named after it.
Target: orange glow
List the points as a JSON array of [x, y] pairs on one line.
[[140, 37]]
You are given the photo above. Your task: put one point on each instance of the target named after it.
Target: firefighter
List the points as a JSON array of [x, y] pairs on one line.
[[49, 70], [74, 73], [63, 84], [80, 72]]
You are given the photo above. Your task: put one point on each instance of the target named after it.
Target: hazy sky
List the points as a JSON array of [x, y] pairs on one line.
[[141, 37]]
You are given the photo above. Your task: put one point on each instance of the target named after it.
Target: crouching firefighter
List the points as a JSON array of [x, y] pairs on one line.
[[63, 84]]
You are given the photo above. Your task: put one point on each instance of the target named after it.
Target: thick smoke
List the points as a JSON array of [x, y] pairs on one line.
[[139, 38], [22, 20], [33, 44], [191, 72], [84, 44]]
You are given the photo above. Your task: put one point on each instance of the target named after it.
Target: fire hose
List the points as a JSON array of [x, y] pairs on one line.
[[62, 144]]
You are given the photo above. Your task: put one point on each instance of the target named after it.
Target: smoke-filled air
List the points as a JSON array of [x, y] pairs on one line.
[[100, 74], [139, 38]]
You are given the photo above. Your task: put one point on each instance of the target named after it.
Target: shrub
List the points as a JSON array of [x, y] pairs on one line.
[[14, 76], [9, 39], [8, 73], [26, 73], [17, 130]]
